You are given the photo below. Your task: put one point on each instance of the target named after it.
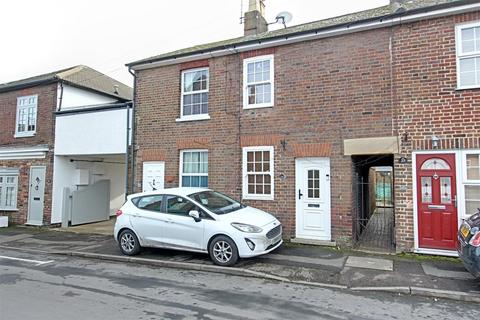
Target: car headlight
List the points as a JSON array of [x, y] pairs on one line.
[[246, 227]]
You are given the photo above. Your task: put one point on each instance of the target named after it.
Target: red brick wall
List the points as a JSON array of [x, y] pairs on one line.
[[44, 136], [325, 91], [428, 103]]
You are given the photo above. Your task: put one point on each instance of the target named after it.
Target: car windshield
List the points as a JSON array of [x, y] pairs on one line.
[[216, 202]]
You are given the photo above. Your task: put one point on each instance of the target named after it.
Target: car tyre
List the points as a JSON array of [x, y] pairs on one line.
[[128, 243], [223, 251]]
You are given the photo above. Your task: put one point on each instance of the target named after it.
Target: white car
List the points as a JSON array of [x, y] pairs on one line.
[[198, 220]]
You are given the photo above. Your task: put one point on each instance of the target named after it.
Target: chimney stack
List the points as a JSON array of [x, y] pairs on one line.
[[398, 5], [254, 20]]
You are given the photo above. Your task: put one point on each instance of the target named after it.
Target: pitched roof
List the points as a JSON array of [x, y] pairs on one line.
[[79, 76], [357, 17]]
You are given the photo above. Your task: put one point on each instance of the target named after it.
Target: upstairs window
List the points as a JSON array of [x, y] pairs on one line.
[[26, 116], [468, 55], [258, 82], [194, 95], [194, 168]]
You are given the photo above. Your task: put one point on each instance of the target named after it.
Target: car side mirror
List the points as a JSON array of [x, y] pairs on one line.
[[195, 215]]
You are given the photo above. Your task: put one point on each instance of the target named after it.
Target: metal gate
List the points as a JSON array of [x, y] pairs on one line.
[[91, 204], [373, 213]]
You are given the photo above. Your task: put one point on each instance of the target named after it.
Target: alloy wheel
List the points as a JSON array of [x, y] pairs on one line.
[[222, 251], [127, 242]]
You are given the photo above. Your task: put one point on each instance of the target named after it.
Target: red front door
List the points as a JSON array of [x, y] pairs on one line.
[[436, 199]]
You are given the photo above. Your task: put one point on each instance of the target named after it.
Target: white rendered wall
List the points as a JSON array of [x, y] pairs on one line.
[[63, 171], [75, 97], [116, 174], [91, 133]]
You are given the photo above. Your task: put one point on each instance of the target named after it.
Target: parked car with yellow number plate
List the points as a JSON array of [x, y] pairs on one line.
[[469, 244]]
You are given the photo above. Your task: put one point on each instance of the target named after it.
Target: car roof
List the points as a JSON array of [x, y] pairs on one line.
[[184, 192]]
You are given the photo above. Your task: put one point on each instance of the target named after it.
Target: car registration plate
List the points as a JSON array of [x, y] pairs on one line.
[[276, 239], [464, 230]]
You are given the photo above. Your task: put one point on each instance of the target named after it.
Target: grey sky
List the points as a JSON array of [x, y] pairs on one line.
[[43, 36]]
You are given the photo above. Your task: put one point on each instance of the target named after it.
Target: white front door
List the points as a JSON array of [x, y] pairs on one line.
[[153, 176], [313, 198], [36, 195]]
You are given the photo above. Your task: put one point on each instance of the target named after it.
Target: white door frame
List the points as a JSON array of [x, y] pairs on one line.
[[30, 182], [320, 162], [458, 172]]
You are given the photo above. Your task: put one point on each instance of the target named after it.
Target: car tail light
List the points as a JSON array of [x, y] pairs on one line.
[[118, 213], [475, 241]]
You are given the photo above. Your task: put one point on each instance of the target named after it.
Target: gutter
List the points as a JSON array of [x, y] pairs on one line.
[[93, 108], [346, 28]]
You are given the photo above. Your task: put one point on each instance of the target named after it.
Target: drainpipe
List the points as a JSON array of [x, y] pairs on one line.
[[60, 99], [132, 146], [127, 138]]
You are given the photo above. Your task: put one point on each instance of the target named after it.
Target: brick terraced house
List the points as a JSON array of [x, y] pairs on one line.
[[30, 112], [358, 130]]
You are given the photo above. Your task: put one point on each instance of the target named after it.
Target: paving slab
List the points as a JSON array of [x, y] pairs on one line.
[[437, 272], [369, 263], [336, 262]]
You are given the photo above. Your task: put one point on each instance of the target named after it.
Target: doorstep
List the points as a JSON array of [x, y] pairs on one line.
[[314, 242]]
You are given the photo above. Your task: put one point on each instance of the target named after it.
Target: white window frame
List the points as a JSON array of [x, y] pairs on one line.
[[245, 194], [271, 81], [27, 106], [466, 182], [194, 117], [8, 174], [460, 55], [190, 174]]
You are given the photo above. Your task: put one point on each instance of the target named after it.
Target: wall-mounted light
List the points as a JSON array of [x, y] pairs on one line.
[[435, 142]]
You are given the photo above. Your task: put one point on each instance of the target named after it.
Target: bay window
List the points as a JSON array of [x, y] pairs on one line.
[[8, 189]]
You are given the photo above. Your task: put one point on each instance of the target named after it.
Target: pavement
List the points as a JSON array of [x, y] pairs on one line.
[[435, 277]]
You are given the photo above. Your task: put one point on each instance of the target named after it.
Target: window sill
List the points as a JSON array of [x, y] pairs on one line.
[[193, 118], [256, 197], [24, 135], [8, 209], [467, 88], [257, 106]]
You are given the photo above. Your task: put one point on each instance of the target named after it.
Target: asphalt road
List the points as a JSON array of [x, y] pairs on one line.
[[42, 286]]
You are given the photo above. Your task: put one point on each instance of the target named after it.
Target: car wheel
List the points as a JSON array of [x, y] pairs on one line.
[[129, 243], [223, 251]]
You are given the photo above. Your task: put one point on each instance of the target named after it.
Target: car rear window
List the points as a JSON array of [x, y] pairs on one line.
[[152, 203]]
